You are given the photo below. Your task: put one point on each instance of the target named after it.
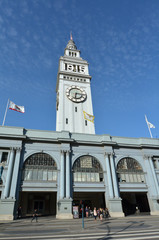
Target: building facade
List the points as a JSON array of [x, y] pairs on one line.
[[52, 171]]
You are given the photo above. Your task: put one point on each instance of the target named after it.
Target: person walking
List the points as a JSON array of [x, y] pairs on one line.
[[95, 213], [98, 213], [35, 216], [86, 210], [107, 213], [19, 212], [101, 214]]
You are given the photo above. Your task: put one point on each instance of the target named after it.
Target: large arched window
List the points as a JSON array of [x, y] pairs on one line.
[[40, 167], [129, 170], [87, 169]]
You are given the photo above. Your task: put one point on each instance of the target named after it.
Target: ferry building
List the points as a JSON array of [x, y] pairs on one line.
[[54, 170]]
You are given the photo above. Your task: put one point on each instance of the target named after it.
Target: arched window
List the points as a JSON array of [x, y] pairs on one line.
[[87, 169], [40, 167], [129, 170]]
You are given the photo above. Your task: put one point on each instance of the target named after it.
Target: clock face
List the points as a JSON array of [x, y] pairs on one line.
[[76, 94]]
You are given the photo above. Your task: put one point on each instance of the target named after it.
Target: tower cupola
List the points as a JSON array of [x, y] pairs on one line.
[[71, 45], [71, 49]]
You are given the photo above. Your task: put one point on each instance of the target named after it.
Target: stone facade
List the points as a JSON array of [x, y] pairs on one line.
[[65, 149]]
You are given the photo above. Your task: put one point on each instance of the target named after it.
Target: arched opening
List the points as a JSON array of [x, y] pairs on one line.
[[88, 183], [130, 173], [129, 170], [40, 167], [39, 185], [87, 169]]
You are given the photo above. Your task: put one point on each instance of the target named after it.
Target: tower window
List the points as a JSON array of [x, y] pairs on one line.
[[69, 53], [75, 109], [66, 120], [85, 122]]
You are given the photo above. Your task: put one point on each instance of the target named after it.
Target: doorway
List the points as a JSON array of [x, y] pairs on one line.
[[39, 205], [44, 202], [131, 201]]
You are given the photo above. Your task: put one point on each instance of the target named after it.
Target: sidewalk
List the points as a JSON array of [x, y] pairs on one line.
[[51, 225]]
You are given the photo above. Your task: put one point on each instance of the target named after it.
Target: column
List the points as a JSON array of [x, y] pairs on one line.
[[0, 156], [67, 174], [154, 175], [9, 174], [115, 183], [62, 176], [110, 186], [15, 174]]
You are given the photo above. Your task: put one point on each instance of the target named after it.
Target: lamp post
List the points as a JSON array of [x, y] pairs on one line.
[[82, 214]]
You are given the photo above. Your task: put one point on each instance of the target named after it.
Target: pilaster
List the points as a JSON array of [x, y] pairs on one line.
[[62, 174], [68, 174], [64, 204], [114, 201], [15, 174], [9, 173], [153, 196], [114, 177], [109, 178]]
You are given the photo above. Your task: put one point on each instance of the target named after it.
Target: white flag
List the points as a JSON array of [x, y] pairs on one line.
[[15, 107], [150, 125]]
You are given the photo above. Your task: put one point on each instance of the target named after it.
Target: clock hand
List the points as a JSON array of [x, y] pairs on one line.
[[78, 95]]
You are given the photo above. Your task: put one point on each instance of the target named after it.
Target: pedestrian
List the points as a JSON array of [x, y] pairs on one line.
[[86, 210], [19, 212], [89, 212], [35, 216], [107, 213], [98, 213], [104, 214], [101, 214], [137, 210], [95, 213]]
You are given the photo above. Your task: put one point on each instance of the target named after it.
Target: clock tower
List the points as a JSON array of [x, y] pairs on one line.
[[74, 110]]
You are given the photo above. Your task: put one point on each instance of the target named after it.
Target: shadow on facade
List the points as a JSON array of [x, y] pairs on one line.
[[135, 203], [44, 202]]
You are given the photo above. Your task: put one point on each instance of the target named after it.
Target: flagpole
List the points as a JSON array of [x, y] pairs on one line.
[[5, 113], [148, 126], [150, 131]]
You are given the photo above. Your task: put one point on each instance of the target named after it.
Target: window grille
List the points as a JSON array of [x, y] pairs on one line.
[[129, 170], [87, 169], [40, 166]]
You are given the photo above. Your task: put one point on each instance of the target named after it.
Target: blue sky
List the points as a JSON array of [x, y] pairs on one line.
[[119, 39]]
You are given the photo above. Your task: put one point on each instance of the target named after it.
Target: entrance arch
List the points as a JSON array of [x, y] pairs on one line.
[[39, 185], [131, 176], [88, 182]]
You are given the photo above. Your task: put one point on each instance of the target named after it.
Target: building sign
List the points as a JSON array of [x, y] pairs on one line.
[[86, 162]]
